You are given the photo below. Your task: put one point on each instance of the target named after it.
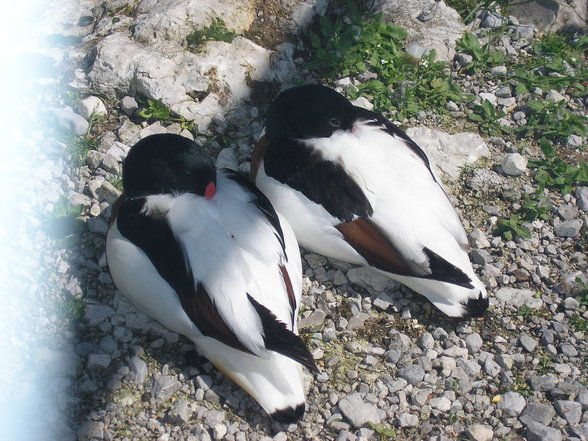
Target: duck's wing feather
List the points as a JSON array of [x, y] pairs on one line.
[[211, 310]]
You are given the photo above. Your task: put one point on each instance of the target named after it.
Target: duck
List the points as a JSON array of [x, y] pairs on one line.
[[204, 252], [354, 187]]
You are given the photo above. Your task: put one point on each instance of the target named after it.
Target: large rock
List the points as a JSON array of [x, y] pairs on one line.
[[218, 76], [174, 20], [448, 153], [430, 24], [552, 16]]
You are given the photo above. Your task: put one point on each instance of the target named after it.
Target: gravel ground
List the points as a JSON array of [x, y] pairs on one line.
[[388, 360]]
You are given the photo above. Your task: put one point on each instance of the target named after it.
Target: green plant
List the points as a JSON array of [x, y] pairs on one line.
[[525, 311], [217, 31], [554, 173], [383, 431], [511, 227], [579, 324], [117, 183], [365, 44], [487, 116], [536, 209], [521, 386], [557, 63], [553, 120], [544, 363], [157, 111], [583, 297], [482, 55]]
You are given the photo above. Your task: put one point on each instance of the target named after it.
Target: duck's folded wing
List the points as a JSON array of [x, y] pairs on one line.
[[381, 252]]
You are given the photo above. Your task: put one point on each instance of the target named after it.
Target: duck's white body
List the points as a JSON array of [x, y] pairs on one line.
[[232, 251], [411, 211]]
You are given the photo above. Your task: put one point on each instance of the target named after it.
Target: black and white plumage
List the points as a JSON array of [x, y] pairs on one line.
[[356, 188], [204, 253]]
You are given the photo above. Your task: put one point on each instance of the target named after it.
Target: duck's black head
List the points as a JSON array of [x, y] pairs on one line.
[[308, 112], [168, 164]]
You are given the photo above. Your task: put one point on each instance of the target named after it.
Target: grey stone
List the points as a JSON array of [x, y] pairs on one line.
[[570, 410], [313, 321], [449, 153], [481, 257], [568, 350], [527, 343], [554, 96], [440, 403], [491, 367], [542, 383], [567, 211], [583, 398], [503, 92], [129, 133], [137, 370], [97, 225], [91, 105], [358, 412], [498, 70], [128, 104], [413, 373], [96, 313], [581, 431], [204, 382], [110, 164], [512, 403], [478, 239], [91, 430], [408, 420], [538, 412], [518, 297], [523, 32], [574, 141], [153, 129], [180, 412], [108, 344], [118, 151], [363, 103], [582, 198], [227, 159], [99, 361], [214, 417], [462, 59], [570, 228], [164, 387], [552, 16], [368, 278], [514, 164], [539, 432], [426, 341], [480, 432], [474, 343], [571, 303], [68, 119], [470, 367], [108, 192], [492, 21], [487, 96]]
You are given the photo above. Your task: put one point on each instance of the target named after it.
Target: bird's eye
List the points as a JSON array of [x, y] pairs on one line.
[[334, 122]]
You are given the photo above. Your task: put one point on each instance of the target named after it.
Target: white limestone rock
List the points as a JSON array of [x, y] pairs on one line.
[[448, 153]]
